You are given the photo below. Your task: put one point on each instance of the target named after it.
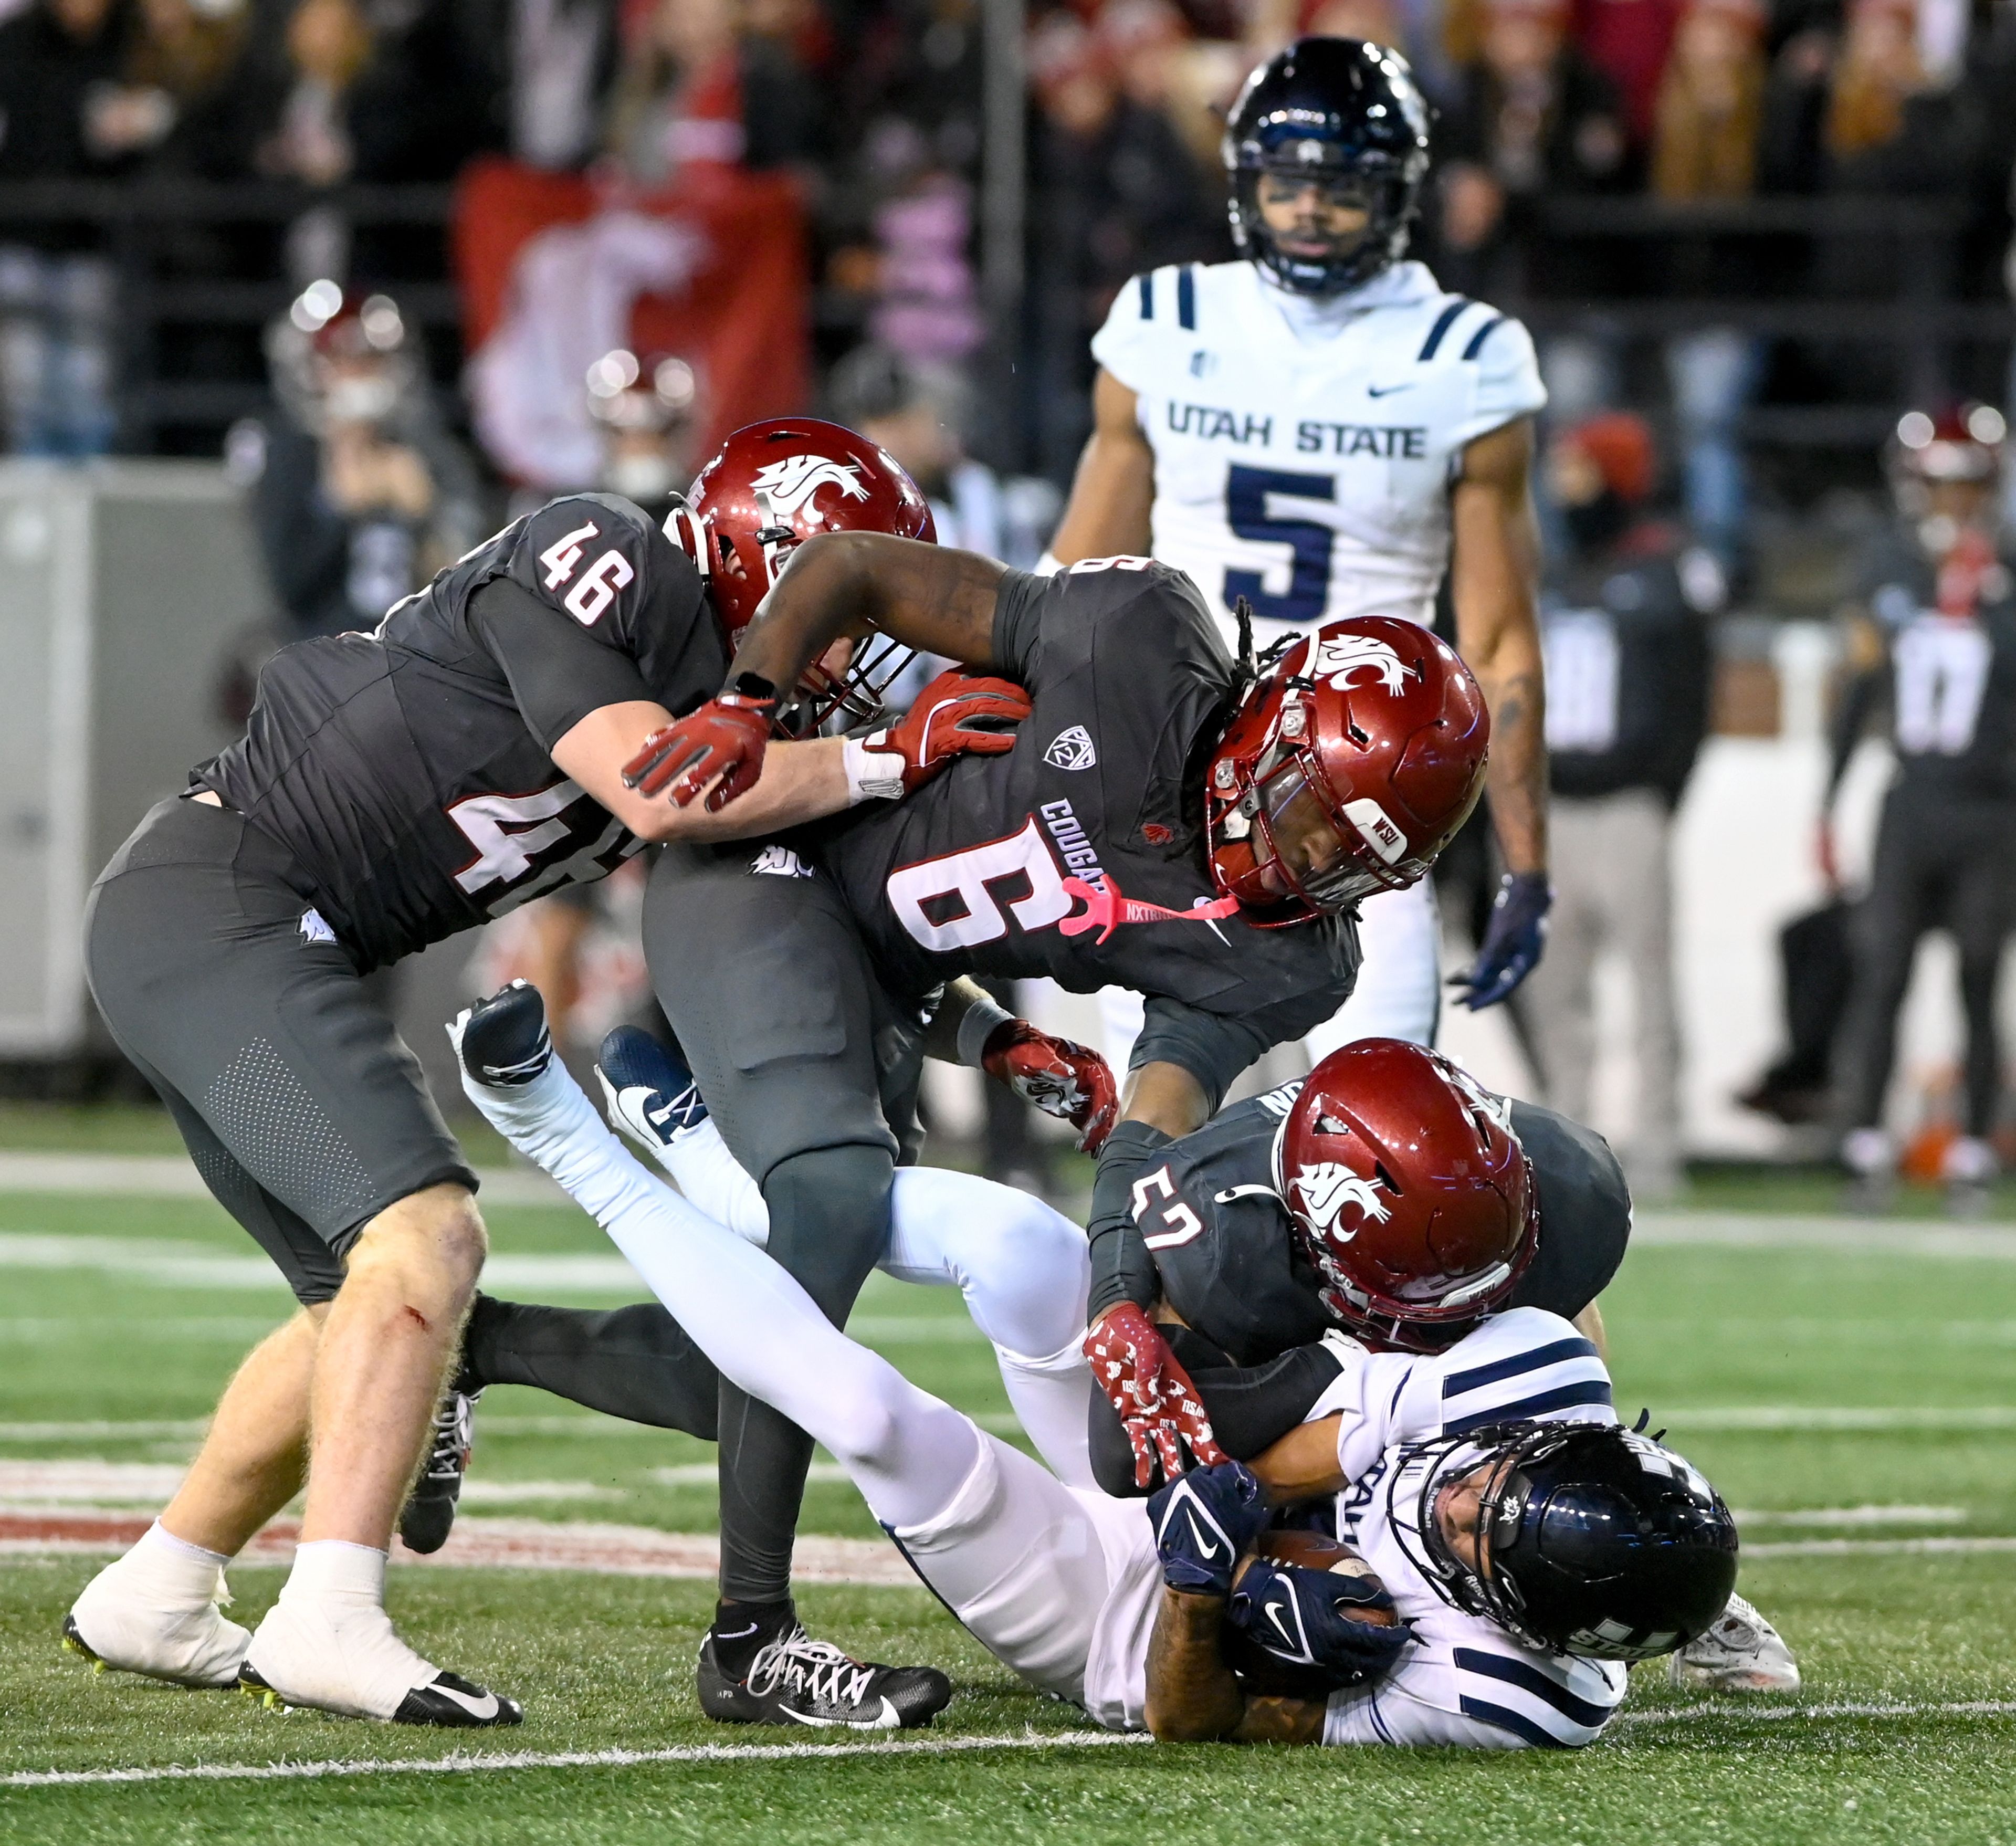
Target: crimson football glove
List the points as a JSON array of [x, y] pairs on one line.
[[726, 737], [954, 715], [1061, 1078], [1158, 1404]]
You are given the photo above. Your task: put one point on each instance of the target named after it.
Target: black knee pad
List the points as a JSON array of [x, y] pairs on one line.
[[829, 1219]]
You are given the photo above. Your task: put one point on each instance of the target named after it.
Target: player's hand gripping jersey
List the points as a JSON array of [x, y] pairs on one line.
[[1220, 1234], [1130, 686], [407, 772], [1304, 451]]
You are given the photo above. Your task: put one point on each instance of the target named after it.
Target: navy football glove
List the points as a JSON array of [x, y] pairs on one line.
[[1513, 941], [1203, 1522], [1296, 1618]]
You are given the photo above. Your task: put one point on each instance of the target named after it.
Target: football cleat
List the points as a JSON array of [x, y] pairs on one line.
[[1740, 1652], [795, 1680], [429, 1514], [504, 1042], [350, 1661], [650, 1094], [112, 1624]]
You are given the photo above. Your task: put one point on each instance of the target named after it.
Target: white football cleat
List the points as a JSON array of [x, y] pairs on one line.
[[355, 1665], [1741, 1652], [123, 1621]]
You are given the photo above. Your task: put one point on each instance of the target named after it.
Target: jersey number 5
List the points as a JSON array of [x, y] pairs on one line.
[[1182, 1224], [1247, 493]]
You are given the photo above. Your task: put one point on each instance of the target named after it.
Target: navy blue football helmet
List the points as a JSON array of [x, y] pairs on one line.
[[1598, 1541], [1334, 111]]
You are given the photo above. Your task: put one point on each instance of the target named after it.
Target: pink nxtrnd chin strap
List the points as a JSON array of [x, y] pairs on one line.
[[1105, 911]]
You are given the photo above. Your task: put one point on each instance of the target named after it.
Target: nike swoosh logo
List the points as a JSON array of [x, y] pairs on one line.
[[885, 1720], [1274, 1616], [736, 1634], [1203, 1545], [485, 1707], [1387, 390]]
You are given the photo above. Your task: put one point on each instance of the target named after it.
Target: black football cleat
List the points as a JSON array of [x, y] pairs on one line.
[[651, 1095], [797, 1681], [447, 1702], [504, 1042], [429, 1514]]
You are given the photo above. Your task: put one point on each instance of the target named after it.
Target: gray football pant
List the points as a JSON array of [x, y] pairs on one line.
[[805, 1064]]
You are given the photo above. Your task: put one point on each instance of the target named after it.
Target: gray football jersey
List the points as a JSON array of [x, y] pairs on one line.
[[407, 771], [1130, 686]]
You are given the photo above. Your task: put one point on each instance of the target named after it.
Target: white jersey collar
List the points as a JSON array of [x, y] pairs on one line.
[[1310, 318]]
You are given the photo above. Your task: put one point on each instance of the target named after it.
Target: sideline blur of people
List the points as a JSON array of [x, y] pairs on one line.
[[56, 288], [1935, 637], [1115, 190], [1623, 620], [358, 495], [1535, 118], [645, 413]]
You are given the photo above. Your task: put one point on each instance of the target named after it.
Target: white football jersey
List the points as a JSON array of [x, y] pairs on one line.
[[1304, 450], [1465, 1681]]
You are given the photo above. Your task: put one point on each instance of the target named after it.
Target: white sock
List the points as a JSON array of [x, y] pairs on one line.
[[712, 1180], [338, 1574], [902, 1447], [178, 1575]]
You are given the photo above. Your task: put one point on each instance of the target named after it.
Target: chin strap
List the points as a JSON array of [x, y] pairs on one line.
[[1105, 911]]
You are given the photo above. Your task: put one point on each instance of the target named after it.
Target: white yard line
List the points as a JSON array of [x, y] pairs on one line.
[[460, 1765], [171, 1176], [1864, 1547], [465, 1765]]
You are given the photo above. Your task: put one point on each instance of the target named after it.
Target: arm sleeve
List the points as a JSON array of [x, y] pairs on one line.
[[559, 673], [1508, 374], [1123, 1268], [1851, 717], [1215, 1048]]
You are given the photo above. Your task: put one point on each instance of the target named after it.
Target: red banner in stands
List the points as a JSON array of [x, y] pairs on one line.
[[556, 269]]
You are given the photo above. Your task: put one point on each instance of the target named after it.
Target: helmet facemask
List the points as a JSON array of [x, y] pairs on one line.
[[1376, 185]]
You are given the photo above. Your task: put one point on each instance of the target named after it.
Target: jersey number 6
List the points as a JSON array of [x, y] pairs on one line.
[[1247, 493]]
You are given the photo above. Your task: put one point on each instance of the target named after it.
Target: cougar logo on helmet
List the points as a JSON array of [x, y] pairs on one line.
[[1326, 1189], [1341, 655], [1497, 1108], [791, 482]]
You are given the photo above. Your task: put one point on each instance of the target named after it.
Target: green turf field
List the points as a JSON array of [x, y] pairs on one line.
[[1855, 1402]]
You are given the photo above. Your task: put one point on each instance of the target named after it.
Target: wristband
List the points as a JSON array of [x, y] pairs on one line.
[[984, 1018], [872, 775], [751, 686]]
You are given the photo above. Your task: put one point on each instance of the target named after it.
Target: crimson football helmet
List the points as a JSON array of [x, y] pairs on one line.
[[774, 485], [1408, 1191], [1349, 765]]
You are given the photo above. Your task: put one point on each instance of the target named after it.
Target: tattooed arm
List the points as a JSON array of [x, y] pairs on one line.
[[1494, 581]]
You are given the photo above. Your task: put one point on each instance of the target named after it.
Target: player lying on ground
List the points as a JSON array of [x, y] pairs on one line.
[[392, 789], [1386, 1204], [1525, 1560], [1167, 818]]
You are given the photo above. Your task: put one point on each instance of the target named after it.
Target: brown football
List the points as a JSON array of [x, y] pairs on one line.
[[1312, 1551]]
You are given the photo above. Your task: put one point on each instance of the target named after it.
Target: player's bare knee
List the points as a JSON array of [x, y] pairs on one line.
[[431, 1244]]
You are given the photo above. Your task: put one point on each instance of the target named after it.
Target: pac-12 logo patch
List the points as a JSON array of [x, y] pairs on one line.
[[791, 482], [1328, 1189], [1071, 750], [1342, 656]]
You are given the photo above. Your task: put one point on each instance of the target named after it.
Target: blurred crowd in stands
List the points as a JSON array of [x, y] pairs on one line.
[[654, 220]]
